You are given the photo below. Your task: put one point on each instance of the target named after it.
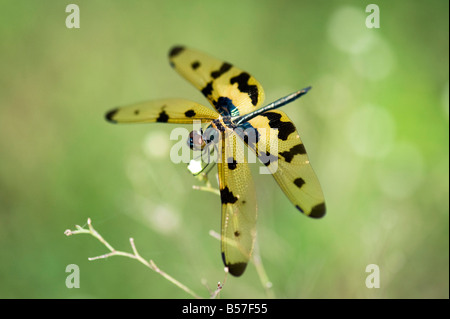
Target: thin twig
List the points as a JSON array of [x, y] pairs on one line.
[[220, 285], [207, 187], [150, 264], [265, 282]]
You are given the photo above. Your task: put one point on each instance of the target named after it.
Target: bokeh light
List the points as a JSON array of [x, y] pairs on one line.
[[371, 131], [348, 32], [401, 172]]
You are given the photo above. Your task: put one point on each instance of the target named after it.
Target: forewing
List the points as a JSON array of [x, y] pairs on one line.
[[164, 111], [280, 148], [218, 80], [238, 205]]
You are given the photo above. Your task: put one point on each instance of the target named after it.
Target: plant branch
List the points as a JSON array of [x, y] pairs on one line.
[[135, 255], [207, 187]]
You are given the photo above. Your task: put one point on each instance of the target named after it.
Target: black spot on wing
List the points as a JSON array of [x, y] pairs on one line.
[[175, 51], [195, 65], [266, 158], [190, 113], [299, 182], [163, 117], [232, 164], [236, 269], [244, 87], [207, 90], [227, 196], [109, 116], [284, 128], [289, 155], [136, 112], [237, 233], [318, 211], [223, 69]]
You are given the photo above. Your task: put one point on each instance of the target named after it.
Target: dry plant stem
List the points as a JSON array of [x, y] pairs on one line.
[[266, 283], [219, 285], [208, 187], [135, 255]]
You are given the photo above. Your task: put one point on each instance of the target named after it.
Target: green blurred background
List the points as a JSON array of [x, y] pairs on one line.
[[376, 126]]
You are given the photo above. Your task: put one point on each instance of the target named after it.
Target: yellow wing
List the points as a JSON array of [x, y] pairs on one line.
[[238, 205], [218, 80], [285, 156], [164, 111]]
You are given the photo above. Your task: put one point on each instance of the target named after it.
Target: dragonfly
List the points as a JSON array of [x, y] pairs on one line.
[[237, 120]]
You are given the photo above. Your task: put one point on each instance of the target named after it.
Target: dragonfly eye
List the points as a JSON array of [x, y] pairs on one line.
[[196, 141]]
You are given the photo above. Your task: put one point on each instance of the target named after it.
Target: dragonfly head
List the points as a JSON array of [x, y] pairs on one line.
[[196, 141]]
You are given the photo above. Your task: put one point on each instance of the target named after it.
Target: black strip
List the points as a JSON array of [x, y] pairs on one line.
[[163, 117], [284, 128], [223, 69], [190, 113], [318, 211], [176, 50], [207, 90], [243, 86], [289, 155], [109, 116], [227, 197]]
